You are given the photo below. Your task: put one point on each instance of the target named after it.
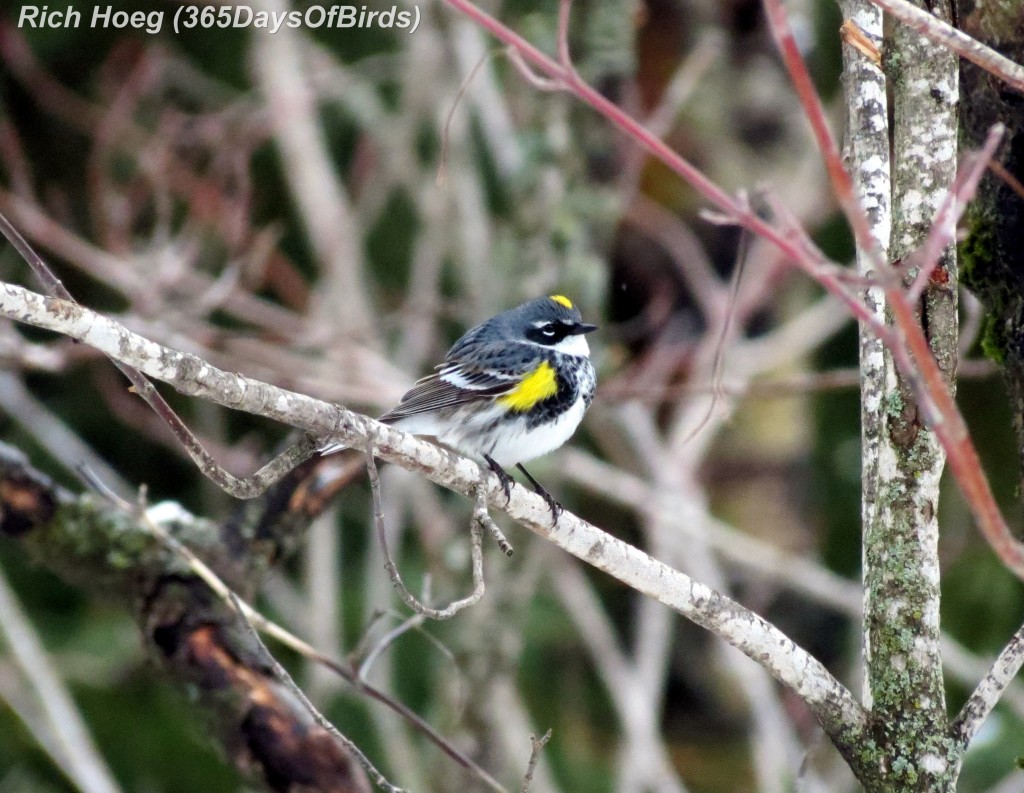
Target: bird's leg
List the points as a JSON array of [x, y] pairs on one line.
[[538, 488], [503, 477]]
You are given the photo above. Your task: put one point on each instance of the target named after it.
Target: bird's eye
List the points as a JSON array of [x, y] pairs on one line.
[[548, 331]]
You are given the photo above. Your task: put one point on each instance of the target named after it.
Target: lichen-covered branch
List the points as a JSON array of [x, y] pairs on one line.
[[867, 157], [989, 691], [836, 710], [901, 567], [195, 637], [967, 43]]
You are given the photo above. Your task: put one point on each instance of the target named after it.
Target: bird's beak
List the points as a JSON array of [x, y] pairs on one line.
[[583, 327]]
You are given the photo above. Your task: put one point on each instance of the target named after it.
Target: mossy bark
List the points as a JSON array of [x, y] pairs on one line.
[[992, 255], [197, 639]]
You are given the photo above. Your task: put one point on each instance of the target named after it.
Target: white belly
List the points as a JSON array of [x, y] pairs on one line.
[[515, 445], [507, 444]]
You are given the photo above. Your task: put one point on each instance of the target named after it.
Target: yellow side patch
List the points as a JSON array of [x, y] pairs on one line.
[[532, 389], [562, 300]]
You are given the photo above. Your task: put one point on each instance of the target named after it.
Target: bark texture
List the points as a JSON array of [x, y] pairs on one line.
[[195, 638], [903, 460], [866, 155], [993, 253], [901, 565]]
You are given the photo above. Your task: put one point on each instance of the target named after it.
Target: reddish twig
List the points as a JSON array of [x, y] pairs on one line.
[[905, 340], [734, 210], [1012, 181], [943, 229], [949, 426], [910, 349], [839, 177]]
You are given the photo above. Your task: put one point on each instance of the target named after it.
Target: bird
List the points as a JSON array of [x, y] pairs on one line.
[[511, 389]]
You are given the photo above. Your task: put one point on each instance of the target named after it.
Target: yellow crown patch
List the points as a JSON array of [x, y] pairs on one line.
[[535, 387], [562, 300]]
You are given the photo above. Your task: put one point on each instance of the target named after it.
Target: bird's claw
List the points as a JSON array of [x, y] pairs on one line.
[[555, 507], [540, 490], [504, 478]]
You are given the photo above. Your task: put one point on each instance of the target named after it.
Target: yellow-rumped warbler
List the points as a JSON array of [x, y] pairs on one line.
[[511, 389]]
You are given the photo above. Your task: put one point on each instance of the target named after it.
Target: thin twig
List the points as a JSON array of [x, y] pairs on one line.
[[725, 321], [476, 553], [149, 519], [483, 517], [988, 692], [943, 229], [282, 675], [546, 84], [959, 42], [412, 621], [442, 165], [536, 746], [249, 487]]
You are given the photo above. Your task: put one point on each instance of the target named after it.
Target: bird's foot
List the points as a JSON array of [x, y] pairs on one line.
[[540, 490], [503, 477]]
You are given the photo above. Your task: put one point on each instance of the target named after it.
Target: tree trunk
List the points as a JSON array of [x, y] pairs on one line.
[[993, 253], [903, 460]]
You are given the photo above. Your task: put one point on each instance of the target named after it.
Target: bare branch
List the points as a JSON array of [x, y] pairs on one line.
[[985, 697], [282, 674], [476, 554], [831, 703], [536, 747], [943, 229], [483, 517], [410, 622], [959, 42]]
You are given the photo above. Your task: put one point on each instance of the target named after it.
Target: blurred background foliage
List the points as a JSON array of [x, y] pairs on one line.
[[163, 151]]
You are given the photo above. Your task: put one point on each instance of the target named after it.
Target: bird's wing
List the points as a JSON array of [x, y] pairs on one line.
[[456, 382]]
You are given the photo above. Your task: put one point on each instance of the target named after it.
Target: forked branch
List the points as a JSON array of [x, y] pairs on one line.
[[905, 340], [835, 708]]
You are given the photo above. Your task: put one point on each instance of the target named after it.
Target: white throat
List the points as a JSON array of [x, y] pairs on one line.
[[574, 345]]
